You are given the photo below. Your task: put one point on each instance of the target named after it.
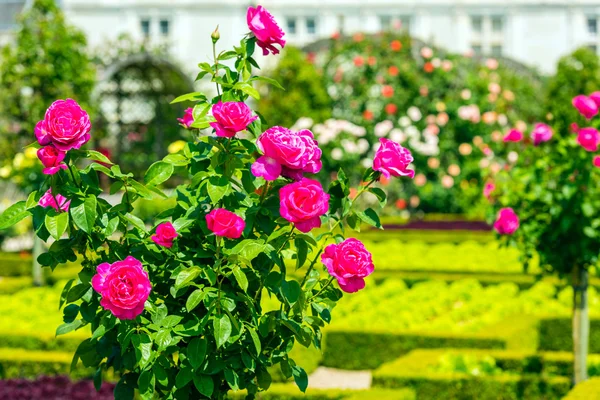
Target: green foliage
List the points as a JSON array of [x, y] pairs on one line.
[[305, 92], [555, 334], [47, 62], [586, 390], [288, 392], [16, 363]]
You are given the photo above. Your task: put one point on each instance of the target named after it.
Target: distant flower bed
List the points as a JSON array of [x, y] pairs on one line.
[[54, 388]]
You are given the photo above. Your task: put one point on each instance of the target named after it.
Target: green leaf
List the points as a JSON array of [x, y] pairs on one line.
[[158, 172], [64, 293], [269, 81], [69, 327], [194, 96], [204, 384], [249, 248], [217, 188], [196, 351], [146, 383], [112, 226], [263, 378], [240, 277], [135, 221], [13, 214], [370, 217], [84, 213], [56, 223], [184, 376], [195, 298], [380, 194], [248, 89], [124, 390], [98, 378], [77, 292], [300, 378], [232, 379], [143, 348], [178, 160], [256, 340], [301, 252], [291, 291], [222, 328], [163, 339], [186, 276], [97, 156]]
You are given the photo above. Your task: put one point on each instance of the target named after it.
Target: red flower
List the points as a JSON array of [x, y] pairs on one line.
[[359, 61], [428, 67], [401, 204], [371, 60], [358, 37], [396, 45], [393, 70], [387, 91], [368, 115], [391, 109]]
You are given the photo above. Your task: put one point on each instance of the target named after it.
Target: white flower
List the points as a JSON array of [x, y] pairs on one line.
[[412, 131], [502, 119], [397, 136], [404, 121], [363, 145], [302, 123], [414, 113], [337, 154], [383, 128], [349, 146], [513, 156], [367, 162]]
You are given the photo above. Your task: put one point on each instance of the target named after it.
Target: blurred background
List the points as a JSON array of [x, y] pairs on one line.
[[448, 314]]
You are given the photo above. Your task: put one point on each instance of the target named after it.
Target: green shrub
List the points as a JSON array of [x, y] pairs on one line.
[[415, 371], [13, 264], [40, 341], [18, 363], [13, 285], [289, 392], [555, 334], [586, 390]]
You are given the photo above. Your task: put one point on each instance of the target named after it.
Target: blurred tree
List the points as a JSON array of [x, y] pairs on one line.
[[305, 93], [577, 73]]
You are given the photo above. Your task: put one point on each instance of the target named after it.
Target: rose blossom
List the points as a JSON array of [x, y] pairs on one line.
[[224, 223], [303, 203], [391, 159], [232, 117], [287, 153], [585, 105], [349, 262], [48, 200], [265, 28], [165, 234], [488, 189], [596, 98], [51, 158], [507, 222], [596, 161], [514, 135], [541, 133], [124, 287], [188, 118], [588, 138], [65, 125]]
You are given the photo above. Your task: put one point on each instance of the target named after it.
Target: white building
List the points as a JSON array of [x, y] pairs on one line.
[[535, 32]]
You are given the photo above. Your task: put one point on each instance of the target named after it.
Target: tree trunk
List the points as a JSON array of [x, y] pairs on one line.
[[36, 269], [581, 324]]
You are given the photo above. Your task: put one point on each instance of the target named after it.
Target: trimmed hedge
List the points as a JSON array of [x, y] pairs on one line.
[[356, 350], [40, 341], [555, 334], [15, 264], [19, 363], [14, 284], [291, 392], [416, 371], [587, 390]]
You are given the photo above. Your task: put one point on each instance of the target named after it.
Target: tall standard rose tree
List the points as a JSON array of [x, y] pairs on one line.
[[548, 204], [175, 309]]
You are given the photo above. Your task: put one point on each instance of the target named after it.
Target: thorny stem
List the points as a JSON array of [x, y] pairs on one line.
[[323, 288], [216, 67], [310, 268]]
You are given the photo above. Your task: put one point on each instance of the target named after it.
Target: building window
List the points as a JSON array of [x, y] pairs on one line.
[[405, 23], [477, 24], [497, 50], [592, 25], [497, 24], [311, 25], [477, 50], [164, 27], [386, 22], [593, 48], [291, 25], [145, 26]]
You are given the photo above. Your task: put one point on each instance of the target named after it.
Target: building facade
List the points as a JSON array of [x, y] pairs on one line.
[[535, 32]]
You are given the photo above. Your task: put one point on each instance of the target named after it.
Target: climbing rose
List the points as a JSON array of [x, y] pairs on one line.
[[224, 223], [514, 135], [588, 138], [507, 222], [585, 105], [596, 161], [66, 125], [596, 98], [349, 262], [165, 234], [303, 203], [488, 189], [391, 159], [287, 153], [124, 287], [266, 30], [188, 118], [47, 200], [232, 117], [51, 158], [541, 133]]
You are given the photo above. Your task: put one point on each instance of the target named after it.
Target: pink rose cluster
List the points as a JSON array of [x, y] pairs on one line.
[[588, 138], [540, 133], [232, 117], [349, 262], [587, 105], [65, 126], [124, 287]]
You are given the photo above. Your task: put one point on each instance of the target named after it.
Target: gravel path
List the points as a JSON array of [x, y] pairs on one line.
[[329, 378]]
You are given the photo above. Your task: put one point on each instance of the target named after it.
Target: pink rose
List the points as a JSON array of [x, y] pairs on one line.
[[224, 223], [51, 158], [588, 138], [488, 189], [188, 118], [507, 222], [541, 133], [287, 153], [391, 159], [303, 203], [265, 28], [596, 161], [585, 105], [514, 135], [48, 200], [66, 125], [232, 117], [349, 262], [596, 98], [165, 234], [124, 287]]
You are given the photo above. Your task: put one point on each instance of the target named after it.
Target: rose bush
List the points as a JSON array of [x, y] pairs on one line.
[[175, 308]]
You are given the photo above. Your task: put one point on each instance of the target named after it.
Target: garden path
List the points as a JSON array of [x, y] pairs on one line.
[[330, 378]]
